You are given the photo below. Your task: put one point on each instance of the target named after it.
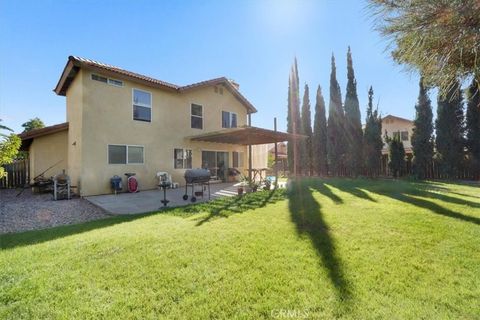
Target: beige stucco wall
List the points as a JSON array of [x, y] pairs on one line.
[[75, 123], [47, 151], [100, 114], [392, 125]]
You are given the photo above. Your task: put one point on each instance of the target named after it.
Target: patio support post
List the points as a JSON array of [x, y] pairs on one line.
[[249, 150], [275, 166]]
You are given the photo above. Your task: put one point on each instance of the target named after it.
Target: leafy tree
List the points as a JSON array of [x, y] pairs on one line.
[[9, 145], [396, 155], [422, 137], [450, 131], [335, 125], [319, 147], [293, 118], [353, 122], [34, 123], [306, 129], [473, 128], [438, 38], [372, 138]]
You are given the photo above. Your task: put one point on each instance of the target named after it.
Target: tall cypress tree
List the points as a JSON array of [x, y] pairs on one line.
[[396, 155], [293, 119], [289, 124], [450, 129], [306, 129], [473, 128], [422, 137], [335, 125], [372, 138], [353, 122], [319, 143]]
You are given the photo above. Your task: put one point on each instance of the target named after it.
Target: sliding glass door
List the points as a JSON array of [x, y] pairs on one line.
[[217, 162]]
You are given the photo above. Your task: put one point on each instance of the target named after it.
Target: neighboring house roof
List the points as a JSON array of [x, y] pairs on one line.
[[43, 131], [74, 64], [28, 136], [389, 116]]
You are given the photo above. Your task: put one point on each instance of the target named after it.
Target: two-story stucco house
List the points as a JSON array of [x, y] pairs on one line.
[[120, 121]]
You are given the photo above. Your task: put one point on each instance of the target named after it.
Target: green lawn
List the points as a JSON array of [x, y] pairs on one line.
[[327, 249]]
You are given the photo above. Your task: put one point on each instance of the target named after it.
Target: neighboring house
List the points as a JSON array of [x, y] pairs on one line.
[[392, 126], [282, 156], [119, 121]]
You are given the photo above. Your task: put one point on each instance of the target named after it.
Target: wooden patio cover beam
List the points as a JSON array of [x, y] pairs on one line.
[[245, 135]]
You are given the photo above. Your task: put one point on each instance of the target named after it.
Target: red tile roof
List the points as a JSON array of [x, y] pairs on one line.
[[75, 63]]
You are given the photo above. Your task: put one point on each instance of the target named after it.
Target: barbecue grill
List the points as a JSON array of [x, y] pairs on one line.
[[61, 186], [196, 177]]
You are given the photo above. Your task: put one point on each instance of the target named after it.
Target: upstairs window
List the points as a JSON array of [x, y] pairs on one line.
[[229, 119], [99, 78], [182, 158], [404, 135], [196, 117], [142, 105], [113, 82]]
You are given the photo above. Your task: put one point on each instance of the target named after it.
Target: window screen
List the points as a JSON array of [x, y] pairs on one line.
[[196, 116], [135, 154], [117, 154], [142, 105], [182, 158]]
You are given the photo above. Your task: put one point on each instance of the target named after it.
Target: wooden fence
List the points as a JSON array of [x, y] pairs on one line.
[[17, 174]]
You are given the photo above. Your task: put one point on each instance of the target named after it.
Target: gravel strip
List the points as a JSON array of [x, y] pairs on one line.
[[31, 211]]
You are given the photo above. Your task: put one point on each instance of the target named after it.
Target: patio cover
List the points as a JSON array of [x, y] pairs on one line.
[[246, 135]]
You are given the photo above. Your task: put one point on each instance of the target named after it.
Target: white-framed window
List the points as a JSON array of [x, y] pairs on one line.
[[113, 82], [182, 158], [125, 154], [142, 105], [196, 116], [237, 159], [229, 119]]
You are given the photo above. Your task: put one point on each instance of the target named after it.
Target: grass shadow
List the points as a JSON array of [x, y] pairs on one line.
[[307, 215], [216, 208], [436, 208], [351, 187], [12, 240], [412, 193], [324, 189], [464, 195], [239, 204]]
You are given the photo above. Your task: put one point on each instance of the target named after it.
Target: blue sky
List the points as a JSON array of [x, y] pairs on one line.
[[252, 41]]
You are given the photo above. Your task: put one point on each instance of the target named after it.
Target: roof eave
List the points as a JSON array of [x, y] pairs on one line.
[[74, 64], [68, 74], [43, 131]]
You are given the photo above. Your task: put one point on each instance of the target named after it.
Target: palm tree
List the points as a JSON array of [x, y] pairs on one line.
[[2, 127]]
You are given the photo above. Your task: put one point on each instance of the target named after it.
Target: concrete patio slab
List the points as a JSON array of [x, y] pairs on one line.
[[146, 201]]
